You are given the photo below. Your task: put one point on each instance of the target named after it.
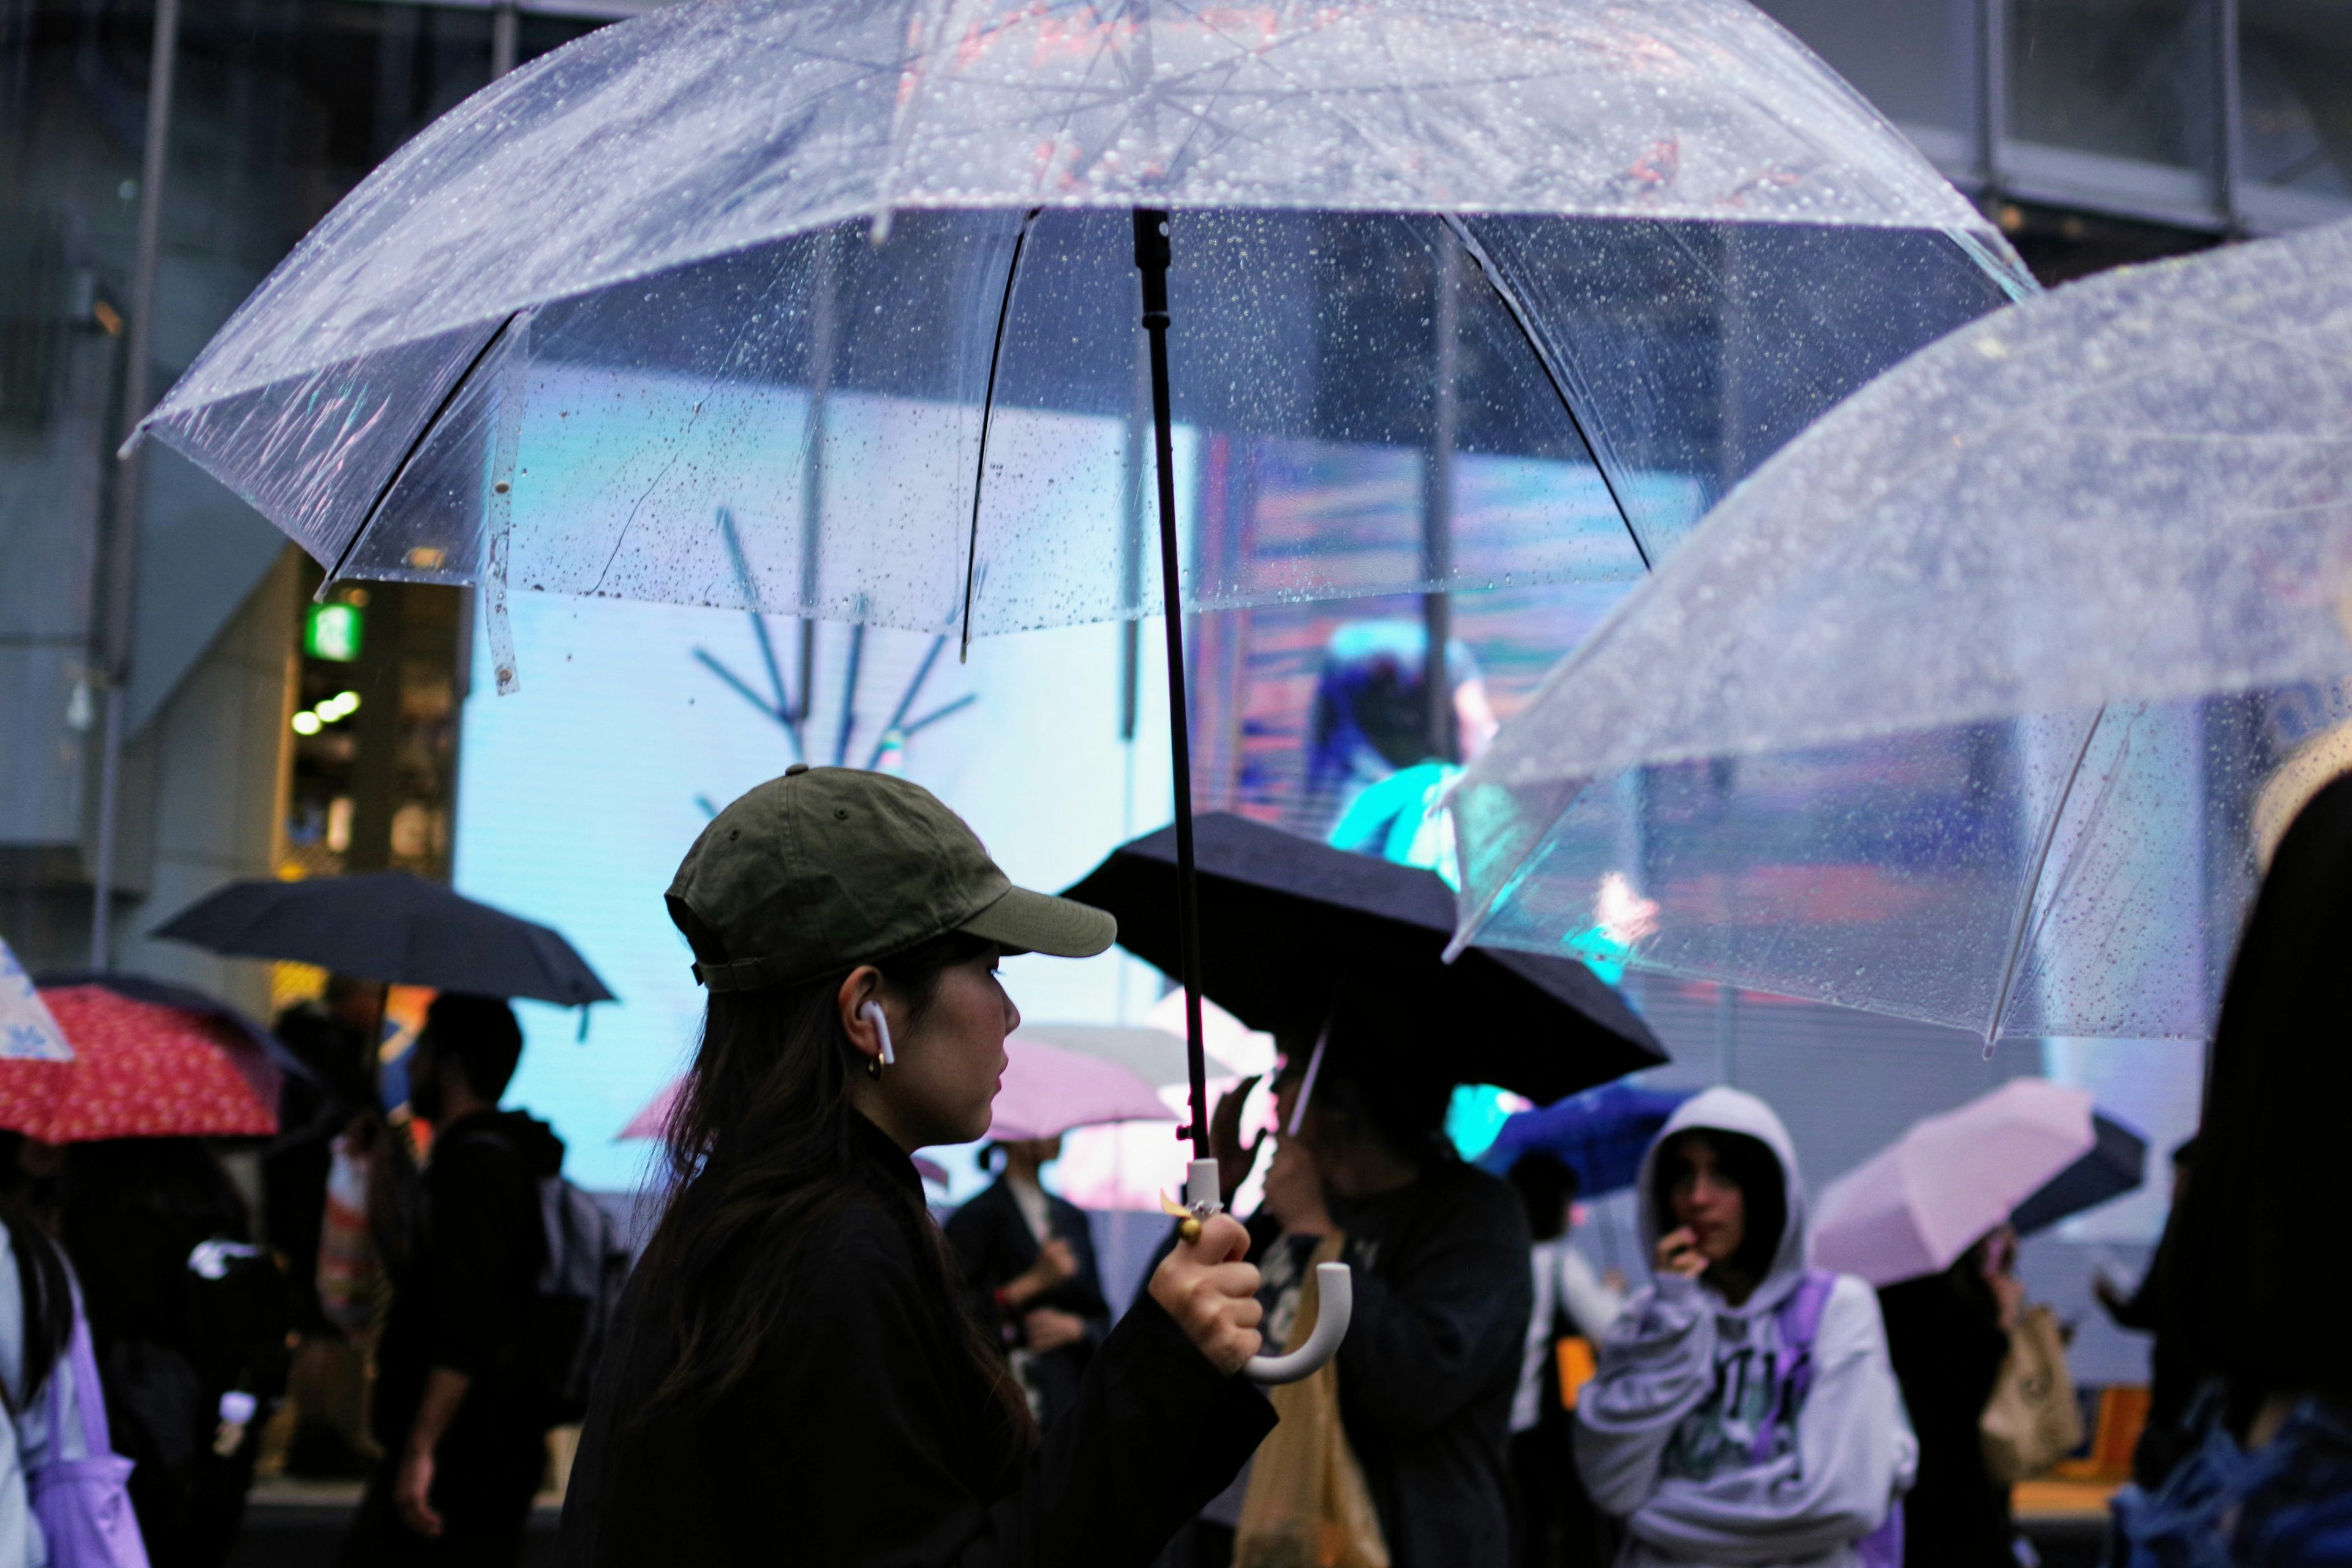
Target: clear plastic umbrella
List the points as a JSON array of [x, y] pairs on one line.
[[1974, 703], [830, 309]]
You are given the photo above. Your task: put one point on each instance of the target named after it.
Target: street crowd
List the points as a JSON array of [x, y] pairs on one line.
[[806, 1365]]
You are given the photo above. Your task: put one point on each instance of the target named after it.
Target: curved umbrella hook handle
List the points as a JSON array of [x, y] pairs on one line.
[[1336, 1293], [1334, 1290]]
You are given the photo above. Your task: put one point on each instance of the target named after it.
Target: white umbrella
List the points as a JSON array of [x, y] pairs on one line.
[[1154, 1055], [27, 1031], [1133, 1164]]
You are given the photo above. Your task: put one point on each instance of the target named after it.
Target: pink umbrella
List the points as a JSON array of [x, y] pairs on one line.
[[652, 1121], [1048, 1090], [1916, 1205]]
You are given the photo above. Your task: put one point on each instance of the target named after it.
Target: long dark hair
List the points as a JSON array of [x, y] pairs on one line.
[[2265, 1237], [43, 1283], [47, 1292], [762, 1155]]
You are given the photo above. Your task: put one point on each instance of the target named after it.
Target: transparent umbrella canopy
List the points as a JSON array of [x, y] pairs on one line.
[[1976, 704], [830, 309]]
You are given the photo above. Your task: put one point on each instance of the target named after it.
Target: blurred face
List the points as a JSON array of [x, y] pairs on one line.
[[951, 1062], [1708, 1202], [1035, 1152], [424, 1089], [356, 1004]]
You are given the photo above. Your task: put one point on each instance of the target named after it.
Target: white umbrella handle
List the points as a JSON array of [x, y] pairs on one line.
[[1334, 1284], [1336, 1293]]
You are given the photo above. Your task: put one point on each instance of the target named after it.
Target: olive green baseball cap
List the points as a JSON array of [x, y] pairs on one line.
[[825, 869]]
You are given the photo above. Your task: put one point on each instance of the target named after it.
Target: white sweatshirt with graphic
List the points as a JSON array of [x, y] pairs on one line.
[[1665, 1433]]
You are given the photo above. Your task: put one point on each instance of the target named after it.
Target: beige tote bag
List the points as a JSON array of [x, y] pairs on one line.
[[1308, 1506], [2031, 1421]]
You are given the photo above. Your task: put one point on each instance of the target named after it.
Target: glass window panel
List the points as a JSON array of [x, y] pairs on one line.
[[2118, 78], [1916, 61], [2296, 74]]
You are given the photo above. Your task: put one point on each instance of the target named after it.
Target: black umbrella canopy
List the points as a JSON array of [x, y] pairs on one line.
[[392, 927], [1291, 928], [2116, 1165]]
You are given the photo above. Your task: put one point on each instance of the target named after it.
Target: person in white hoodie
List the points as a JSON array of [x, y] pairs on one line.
[[1745, 1410]]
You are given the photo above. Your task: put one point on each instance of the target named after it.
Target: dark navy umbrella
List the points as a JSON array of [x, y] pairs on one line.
[[1292, 929], [1600, 1134], [2116, 1165], [392, 927]]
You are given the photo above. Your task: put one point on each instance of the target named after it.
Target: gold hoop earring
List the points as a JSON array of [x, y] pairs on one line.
[[874, 1067]]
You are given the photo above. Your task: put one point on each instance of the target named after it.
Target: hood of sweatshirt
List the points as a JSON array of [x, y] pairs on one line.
[[1734, 1110]]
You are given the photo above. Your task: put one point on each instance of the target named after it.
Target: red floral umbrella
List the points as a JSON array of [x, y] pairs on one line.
[[140, 1070]]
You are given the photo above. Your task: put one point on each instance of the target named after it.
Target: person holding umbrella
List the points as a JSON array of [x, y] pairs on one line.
[[1744, 1409], [1947, 1334], [462, 1418], [1933, 1220], [1439, 1250], [793, 1372]]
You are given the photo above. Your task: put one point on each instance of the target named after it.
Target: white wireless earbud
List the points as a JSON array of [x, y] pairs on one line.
[[873, 1011]]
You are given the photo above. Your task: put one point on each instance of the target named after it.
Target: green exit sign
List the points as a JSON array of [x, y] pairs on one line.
[[333, 632]]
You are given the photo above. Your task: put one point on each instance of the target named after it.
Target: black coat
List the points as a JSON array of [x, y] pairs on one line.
[[1427, 1372], [1944, 1336], [866, 1435], [1431, 1361], [463, 1301], [993, 1244], [2174, 1373]]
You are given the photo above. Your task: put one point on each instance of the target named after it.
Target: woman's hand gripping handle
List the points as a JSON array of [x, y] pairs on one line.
[[1213, 1294]]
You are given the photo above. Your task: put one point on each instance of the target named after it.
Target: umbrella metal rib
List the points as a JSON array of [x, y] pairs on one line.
[[415, 444], [2033, 885], [987, 418], [1603, 464], [1152, 250]]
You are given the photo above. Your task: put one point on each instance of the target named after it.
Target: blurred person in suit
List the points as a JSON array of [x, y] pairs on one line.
[[1028, 1257]]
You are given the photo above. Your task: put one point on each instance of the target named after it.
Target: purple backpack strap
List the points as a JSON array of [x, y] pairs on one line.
[[1797, 1320]]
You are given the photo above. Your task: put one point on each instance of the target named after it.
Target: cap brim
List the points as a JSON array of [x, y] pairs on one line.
[[1023, 921]]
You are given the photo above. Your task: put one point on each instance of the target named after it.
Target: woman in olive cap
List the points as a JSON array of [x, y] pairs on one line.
[[794, 1377]]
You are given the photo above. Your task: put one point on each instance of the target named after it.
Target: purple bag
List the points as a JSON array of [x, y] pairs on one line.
[[83, 1504], [1798, 1319]]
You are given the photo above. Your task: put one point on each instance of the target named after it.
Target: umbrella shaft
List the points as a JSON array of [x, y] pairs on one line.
[[1152, 257]]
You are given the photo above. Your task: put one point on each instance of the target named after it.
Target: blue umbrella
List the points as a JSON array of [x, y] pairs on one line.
[[1600, 1134]]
